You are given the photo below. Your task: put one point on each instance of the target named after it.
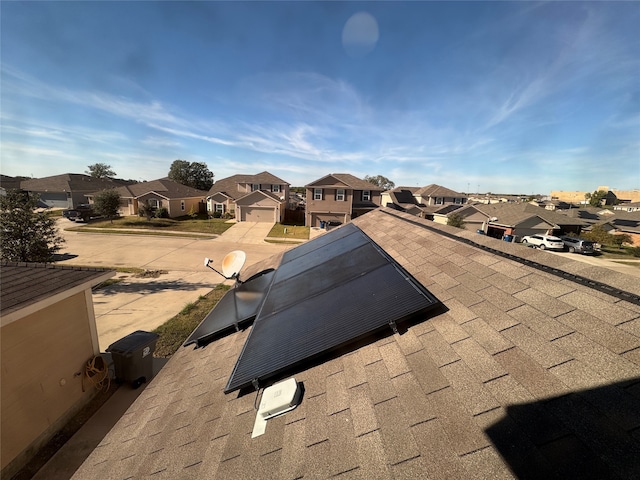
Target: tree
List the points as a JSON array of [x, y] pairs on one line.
[[107, 203], [380, 181], [146, 210], [100, 170], [595, 198], [619, 239], [194, 174], [26, 235], [456, 220]]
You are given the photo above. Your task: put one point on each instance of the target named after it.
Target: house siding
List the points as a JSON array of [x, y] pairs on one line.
[[328, 209], [41, 355]]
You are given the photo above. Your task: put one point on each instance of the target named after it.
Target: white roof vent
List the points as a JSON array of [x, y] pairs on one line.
[[277, 399]]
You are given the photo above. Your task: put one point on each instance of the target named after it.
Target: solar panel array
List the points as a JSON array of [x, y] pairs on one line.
[[236, 309], [327, 293]]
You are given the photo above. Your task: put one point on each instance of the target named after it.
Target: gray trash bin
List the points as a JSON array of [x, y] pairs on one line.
[[133, 357]]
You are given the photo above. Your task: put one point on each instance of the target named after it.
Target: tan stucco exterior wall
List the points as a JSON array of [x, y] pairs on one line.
[[41, 356], [577, 197]]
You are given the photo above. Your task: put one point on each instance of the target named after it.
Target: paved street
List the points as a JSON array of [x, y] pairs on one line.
[[146, 303]]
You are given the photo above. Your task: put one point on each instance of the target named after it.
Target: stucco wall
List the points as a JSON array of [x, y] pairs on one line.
[[41, 355]]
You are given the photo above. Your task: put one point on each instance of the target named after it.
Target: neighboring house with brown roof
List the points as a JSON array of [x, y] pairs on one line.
[[339, 198], [9, 183], [432, 202], [48, 334], [254, 198], [178, 199], [615, 221], [436, 195], [67, 190], [520, 219], [530, 369]]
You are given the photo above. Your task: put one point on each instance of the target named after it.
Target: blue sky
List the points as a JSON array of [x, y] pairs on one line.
[[511, 97]]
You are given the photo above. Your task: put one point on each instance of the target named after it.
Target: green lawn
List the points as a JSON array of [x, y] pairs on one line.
[[289, 232], [176, 330], [214, 226], [612, 253]]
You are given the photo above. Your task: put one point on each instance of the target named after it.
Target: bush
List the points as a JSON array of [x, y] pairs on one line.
[[217, 215], [162, 213], [635, 251]]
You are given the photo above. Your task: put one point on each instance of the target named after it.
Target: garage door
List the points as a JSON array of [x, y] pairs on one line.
[[256, 214], [316, 218]]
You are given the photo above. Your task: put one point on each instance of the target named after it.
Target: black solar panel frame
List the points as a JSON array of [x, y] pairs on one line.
[[236, 309], [279, 341], [320, 242]]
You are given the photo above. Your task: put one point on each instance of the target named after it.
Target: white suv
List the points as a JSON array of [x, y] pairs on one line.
[[543, 242]]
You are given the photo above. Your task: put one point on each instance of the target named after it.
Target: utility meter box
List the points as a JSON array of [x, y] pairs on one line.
[[133, 357]]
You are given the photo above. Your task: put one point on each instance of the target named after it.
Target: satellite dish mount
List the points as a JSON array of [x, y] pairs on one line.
[[232, 263]]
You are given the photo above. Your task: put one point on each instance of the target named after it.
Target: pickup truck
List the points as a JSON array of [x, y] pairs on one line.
[[82, 213]]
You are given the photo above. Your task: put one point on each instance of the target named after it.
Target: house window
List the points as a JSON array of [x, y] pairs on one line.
[[458, 201], [317, 194], [340, 195], [275, 188], [439, 200], [219, 207], [154, 203], [366, 195], [182, 205], [255, 187]]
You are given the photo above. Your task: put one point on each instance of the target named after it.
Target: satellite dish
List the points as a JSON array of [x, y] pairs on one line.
[[206, 262], [233, 263]]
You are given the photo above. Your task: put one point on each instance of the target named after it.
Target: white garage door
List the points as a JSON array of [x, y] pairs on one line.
[[258, 214]]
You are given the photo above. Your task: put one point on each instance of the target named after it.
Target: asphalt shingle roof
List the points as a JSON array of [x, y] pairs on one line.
[[349, 180], [434, 190], [24, 284], [525, 373], [511, 214], [229, 185], [164, 187], [70, 182]]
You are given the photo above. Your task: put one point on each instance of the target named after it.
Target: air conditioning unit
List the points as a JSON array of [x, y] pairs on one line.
[[276, 400]]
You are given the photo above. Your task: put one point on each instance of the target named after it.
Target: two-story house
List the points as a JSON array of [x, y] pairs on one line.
[[339, 197], [424, 202], [251, 198]]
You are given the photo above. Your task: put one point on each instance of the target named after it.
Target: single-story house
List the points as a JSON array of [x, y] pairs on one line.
[[614, 221], [339, 198], [522, 219], [178, 199], [8, 183], [48, 334], [255, 198], [529, 368], [628, 207], [67, 190]]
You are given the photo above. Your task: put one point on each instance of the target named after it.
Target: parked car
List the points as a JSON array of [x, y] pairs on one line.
[[82, 213], [543, 242], [578, 245]]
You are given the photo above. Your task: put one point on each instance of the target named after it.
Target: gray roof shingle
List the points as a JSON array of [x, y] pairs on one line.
[[523, 373], [24, 284], [164, 187], [230, 185]]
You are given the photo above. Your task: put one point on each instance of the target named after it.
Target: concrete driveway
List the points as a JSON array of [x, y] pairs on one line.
[[146, 303], [252, 233]]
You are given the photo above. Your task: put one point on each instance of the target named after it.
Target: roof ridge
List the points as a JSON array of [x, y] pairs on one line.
[[585, 281]]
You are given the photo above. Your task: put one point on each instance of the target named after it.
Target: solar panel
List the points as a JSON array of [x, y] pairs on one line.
[[326, 294], [237, 308]]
